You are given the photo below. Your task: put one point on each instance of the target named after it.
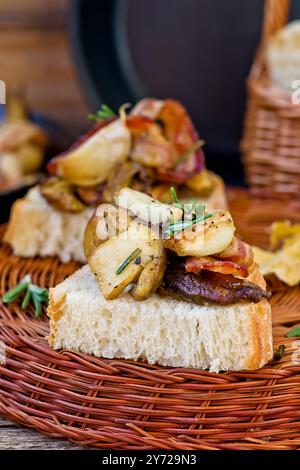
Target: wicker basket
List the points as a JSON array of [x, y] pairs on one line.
[[271, 141], [126, 405]]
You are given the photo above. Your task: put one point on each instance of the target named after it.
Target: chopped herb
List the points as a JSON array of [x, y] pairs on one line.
[[189, 207], [38, 295], [135, 254], [183, 225], [104, 113], [279, 353], [196, 145], [293, 333]]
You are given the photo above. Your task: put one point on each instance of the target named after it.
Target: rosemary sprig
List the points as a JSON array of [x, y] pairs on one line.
[[196, 145], [105, 112], [13, 294], [176, 202], [191, 205], [128, 260], [279, 353], [38, 295], [295, 332], [183, 225]]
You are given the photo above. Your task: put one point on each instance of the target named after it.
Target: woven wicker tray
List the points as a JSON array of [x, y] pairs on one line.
[[120, 404]]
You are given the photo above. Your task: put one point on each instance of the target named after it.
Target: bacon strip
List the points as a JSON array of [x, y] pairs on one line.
[[139, 124], [239, 252], [235, 260], [180, 131], [150, 147], [195, 265], [163, 132]]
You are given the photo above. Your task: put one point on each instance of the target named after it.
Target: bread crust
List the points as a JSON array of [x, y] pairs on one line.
[[261, 329], [14, 220]]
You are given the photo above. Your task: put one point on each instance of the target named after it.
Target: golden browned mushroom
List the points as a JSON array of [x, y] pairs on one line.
[[119, 262], [208, 237], [151, 277], [120, 177], [202, 183], [59, 193], [107, 221], [91, 162]]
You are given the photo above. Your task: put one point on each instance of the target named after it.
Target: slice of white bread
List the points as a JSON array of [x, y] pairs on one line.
[[35, 228], [283, 58], [159, 330]]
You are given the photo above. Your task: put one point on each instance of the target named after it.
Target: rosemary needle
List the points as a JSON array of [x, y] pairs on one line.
[[183, 225], [279, 353], [38, 295], [295, 332], [14, 293], [196, 145], [26, 299], [128, 260], [104, 113]]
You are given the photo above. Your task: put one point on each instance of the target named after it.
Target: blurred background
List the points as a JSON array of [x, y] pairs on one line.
[[69, 56]]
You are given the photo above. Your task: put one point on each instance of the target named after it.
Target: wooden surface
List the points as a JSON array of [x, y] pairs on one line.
[[35, 57], [14, 437]]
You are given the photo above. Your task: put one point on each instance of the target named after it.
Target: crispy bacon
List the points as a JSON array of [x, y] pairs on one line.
[[179, 129], [177, 125], [163, 133], [238, 252], [150, 147], [195, 265], [148, 107], [235, 260], [139, 124]]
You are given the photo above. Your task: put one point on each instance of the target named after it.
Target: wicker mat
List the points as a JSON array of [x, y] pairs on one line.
[[120, 404]]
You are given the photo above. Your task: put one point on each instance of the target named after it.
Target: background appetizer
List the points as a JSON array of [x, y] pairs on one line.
[[154, 145]]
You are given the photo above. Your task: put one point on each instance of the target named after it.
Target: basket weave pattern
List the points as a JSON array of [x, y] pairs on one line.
[[127, 405], [271, 140]]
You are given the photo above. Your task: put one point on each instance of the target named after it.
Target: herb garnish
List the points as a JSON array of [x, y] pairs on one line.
[[38, 295], [176, 202], [196, 145], [104, 113], [279, 353], [183, 225], [191, 205], [293, 333], [128, 260]]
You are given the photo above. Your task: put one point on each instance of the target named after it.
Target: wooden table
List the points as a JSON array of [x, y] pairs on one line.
[[14, 437]]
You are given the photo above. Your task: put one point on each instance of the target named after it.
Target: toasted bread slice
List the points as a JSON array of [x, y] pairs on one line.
[[36, 229], [160, 329]]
